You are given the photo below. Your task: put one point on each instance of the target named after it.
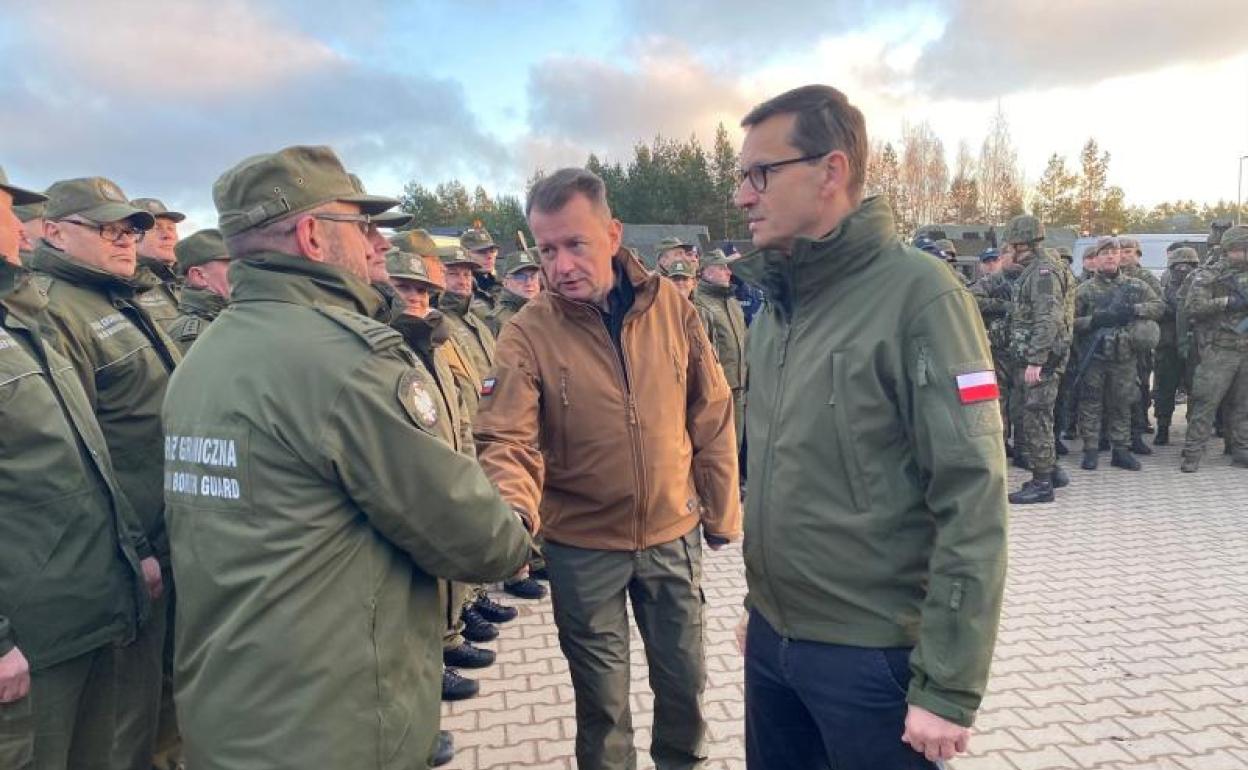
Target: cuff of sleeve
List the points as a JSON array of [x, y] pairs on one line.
[[939, 705]]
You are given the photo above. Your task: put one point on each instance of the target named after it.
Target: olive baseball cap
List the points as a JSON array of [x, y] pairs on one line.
[[21, 196], [416, 241], [30, 211], [406, 266], [386, 218], [521, 260], [95, 199], [200, 248], [158, 209], [680, 268], [476, 238], [715, 257], [454, 255], [672, 243], [268, 187]]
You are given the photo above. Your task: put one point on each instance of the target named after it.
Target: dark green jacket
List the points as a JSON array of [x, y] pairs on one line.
[[876, 509], [508, 305], [469, 331], [487, 293], [160, 293], [312, 501], [725, 327], [69, 543], [196, 310], [124, 361], [1115, 343]]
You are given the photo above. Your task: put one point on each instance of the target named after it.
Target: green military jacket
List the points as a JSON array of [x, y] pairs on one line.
[[994, 295], [312, 502], [1114, 343], [1144, 275], [508, 305], [469, 331], [876, 509], [1208, 294], [196, 310], [160, 295], [1172, 283], [426, 337], [69, 543], [1042, 319], [725, 327], [487, 294], [124, 361]]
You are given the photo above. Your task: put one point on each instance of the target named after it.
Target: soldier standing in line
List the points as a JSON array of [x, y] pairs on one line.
[[522, 281], [157, 263], [204, 266], [1131, 267], [994, 295], [671, 249], [1172, 370], [1217, 304], [681, 273], [487, 290], [724, 321], [1040, 336], [1115, 318]]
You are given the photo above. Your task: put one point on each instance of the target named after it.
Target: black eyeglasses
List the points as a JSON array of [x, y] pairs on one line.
[[757, 174], [363, 221], [112, 232]]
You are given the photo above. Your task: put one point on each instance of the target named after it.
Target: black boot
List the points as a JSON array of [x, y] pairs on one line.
[[1038, 490], [456, 686], [527, 588], [1122, 458], [1104, 446], [1163, 432], [477, 628], [1059, 447], [1139, 447], [468, 656], [1060, 477], [443, 749], [494, 611], [1089, 460]]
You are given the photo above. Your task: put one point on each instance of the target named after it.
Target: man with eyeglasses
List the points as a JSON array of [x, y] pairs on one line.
[[72, 552], [158, 263], [86, 263], [876, 510], [312, 498]]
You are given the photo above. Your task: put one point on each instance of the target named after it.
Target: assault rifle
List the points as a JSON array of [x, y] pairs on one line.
[[1233, 286], [1119, 309]]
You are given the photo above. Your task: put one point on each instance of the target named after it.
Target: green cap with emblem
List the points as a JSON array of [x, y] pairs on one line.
[[672, 242], [715, 257], [416, 241], [388, 219], [268, 187], [454, 255], [200, 248], [680, 268], [406, 266], [476, 238], [95, 199], [158, 209], [21, 196], [521, 260]]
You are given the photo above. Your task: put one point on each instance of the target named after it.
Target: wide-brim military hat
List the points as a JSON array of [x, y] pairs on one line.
[[200, 248], [477, 238], [95, 199], [672, 243], [416, 241], [387, 219], [405, 266], [21, 196], [521, 260], [158, 209], [268, 187], [455, 255]]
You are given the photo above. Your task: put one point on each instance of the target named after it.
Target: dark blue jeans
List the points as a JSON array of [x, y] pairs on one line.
[[814, 706]]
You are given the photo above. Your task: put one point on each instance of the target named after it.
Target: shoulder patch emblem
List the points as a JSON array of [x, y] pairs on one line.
[[487, 386], [417, 400]]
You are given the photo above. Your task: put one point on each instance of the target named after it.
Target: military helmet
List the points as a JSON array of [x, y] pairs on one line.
[[1024, 228], [1183, 255], [1235, 238]]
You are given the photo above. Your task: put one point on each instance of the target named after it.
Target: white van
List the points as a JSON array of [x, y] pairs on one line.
[[1153, 246]]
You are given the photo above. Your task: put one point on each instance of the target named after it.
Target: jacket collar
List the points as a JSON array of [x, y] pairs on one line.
[[454, 304], [158, 270], [627, 267], [202, 302], [278, 277], [51, 260], [512, 300], [715, 290]]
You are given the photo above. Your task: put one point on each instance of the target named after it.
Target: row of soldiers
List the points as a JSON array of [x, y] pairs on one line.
[[1090, 353]]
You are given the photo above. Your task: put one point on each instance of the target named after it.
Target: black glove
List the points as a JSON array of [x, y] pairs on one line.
[[1123, 314], [1102, 318]]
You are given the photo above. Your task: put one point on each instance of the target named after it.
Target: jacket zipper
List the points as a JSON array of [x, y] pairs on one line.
[[622, 367], [769, 454]]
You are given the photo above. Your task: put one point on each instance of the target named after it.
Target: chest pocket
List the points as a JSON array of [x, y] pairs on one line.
[[15, 366], [119, 349], [847, 445]]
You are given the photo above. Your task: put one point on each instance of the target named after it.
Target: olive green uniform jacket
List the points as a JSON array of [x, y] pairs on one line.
[[196, 310], [124, 361], [1116, 343], [876, 509], [69, 543], [312, 502], [469, 331], [508, 305], [161, 292], [487, 293], [724, 321]]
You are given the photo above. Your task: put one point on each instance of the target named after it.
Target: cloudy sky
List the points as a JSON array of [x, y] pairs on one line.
[[163, 95]]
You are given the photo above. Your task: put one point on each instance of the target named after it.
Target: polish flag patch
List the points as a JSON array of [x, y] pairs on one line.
[[974, 387], [487, 386]]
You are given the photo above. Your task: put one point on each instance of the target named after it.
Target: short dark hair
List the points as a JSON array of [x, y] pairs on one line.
[[552, 193], [826, 121]]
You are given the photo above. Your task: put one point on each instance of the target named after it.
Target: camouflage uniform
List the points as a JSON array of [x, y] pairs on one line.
[[1145, 358], [1172, 368], [994, 293], [1218, 306]]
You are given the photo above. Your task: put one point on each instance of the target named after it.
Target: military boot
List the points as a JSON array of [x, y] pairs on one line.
[[1060, 477], [467, 655], [443, 749], [456, 686], [1122, 458], [1190, 463], [1090, 460], [1020, 459], [1104, 446], [1038, 490], [1138, 446], [1163, 432]]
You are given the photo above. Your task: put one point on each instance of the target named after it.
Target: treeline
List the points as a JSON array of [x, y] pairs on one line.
[[672, 182]]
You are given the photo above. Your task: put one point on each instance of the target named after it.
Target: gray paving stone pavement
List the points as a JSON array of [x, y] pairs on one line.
[[1124, 641]]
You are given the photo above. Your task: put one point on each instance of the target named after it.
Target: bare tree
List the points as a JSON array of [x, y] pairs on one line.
[[999, 177], [924, 176], [963, 199]]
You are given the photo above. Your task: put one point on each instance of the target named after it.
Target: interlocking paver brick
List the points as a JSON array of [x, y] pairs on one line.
[[1123, 643]]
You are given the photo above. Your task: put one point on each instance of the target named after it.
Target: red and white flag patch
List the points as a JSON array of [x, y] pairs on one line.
[[487, 386], [974, 387]]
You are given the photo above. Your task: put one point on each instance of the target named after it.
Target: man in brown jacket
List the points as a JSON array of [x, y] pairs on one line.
[[606, 405]]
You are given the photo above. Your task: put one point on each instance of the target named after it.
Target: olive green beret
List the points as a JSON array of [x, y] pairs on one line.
[[454, 255], [268, 187], [200, 248], [1105, 243], [21, 196], [416, 241], [385, 218], [409, 267], [521, 260], [158, 209], [1126, 242], [476, 238], [96, 199]]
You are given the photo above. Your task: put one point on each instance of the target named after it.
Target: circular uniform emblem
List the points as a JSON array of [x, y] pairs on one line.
[[110, 191], [417, 400]]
